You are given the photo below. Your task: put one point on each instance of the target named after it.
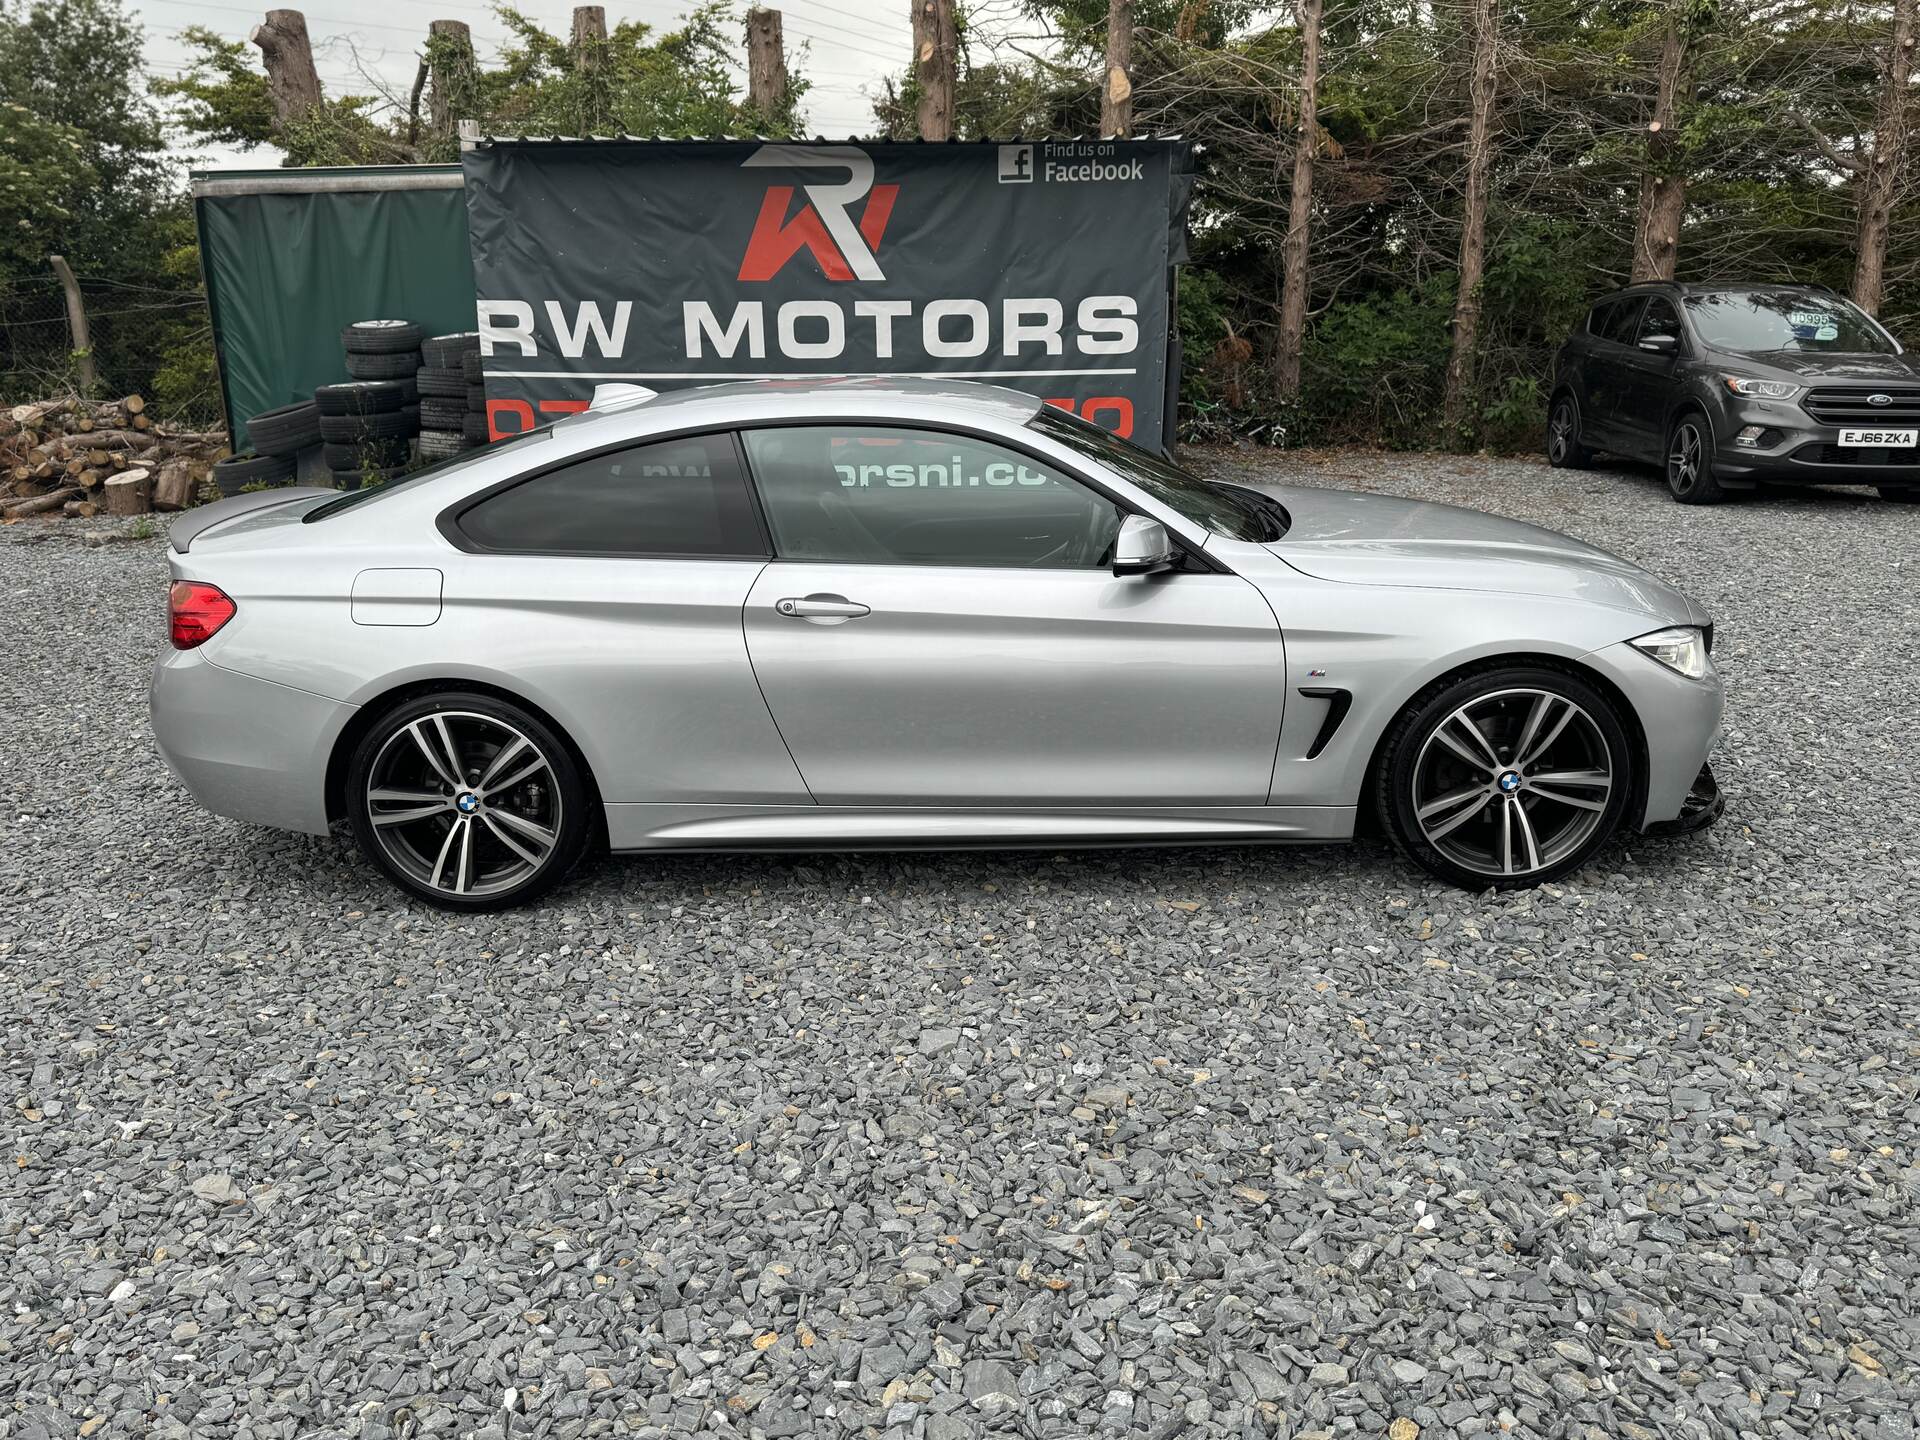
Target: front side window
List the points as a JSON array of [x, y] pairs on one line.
[[1755, 322], [1621, 319], [675, 497], [1660, 319], [880, 496]]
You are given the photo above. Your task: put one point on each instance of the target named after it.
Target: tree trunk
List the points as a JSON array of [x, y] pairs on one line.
[[293, 85], [173, 487], [589, 34], [450, 80], [1294, 250], [766, 63], [1879, 183], [1116, 96], [76, 324], [1481, 89], [1663, 186], [934, 45], [130, 493]]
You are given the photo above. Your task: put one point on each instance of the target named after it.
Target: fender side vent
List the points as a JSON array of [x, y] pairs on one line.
[[1338, 703]]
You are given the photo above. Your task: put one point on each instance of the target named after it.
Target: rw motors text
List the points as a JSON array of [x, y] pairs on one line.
[[820, 329]]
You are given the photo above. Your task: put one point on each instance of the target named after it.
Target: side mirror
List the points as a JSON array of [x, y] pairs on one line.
[[1142, 547], [1661, 344]]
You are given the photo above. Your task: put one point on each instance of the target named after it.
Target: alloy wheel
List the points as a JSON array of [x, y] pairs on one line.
[[1512, 782], [1560, 433], [1684, 458], [463, 803]]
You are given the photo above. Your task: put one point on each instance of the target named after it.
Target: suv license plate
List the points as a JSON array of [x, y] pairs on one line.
[[1878, 438]]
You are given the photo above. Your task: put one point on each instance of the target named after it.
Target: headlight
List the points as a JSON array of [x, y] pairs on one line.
[[1682, 648], [1761, 389]]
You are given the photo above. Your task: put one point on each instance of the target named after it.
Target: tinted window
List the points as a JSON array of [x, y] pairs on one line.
[[1660, 319], [440, 467], [1616, 321], [1238, 514], [1753, 322], [922, 497], [679, 497]]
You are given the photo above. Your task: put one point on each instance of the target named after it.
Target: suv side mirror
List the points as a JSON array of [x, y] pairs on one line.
[[1142, 547], [1661, 344]]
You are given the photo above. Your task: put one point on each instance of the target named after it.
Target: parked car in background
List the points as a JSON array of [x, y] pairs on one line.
[[872, 614], [1726, 386]]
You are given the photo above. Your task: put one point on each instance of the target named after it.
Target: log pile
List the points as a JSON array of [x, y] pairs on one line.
[[79, 457]]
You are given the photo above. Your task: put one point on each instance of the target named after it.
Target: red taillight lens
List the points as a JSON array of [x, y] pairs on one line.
[[197, 610]]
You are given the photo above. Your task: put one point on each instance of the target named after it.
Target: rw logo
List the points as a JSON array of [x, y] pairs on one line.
[[823, 225]]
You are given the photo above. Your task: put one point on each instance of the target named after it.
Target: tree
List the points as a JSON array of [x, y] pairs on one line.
[[1296, 250], [1473, 220], [1883, 169], [1663, 181]]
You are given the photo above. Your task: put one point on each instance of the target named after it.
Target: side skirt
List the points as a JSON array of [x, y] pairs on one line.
[[648, 826]]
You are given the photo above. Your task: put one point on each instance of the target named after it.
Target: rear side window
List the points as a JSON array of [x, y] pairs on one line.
[[677, 497], [1617, 320]]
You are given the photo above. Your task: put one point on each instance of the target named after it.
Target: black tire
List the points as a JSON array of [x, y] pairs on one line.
[[351, 478], [1689, 460], [1564, 450], [474, 427], [441, 414], [477, 399], [556, 802], [381, 337], [440, 444], [376, 451], [473, 367], [400, 365], [435, 384], [355, 429], [233, 476], [364, 397], [1559, 832], [285, 430], [1900, 494], [449, 352]]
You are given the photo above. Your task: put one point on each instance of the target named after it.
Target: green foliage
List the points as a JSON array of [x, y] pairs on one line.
[[222, 97], [45, 181]]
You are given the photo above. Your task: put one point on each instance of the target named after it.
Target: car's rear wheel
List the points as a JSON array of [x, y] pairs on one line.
[[468, 801], [1564, 450], [1506, 777], [1690, 462]]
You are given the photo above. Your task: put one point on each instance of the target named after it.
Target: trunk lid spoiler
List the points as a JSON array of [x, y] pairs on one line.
[[202, 518]]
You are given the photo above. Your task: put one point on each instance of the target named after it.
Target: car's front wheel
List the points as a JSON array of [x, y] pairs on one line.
[[468, 801], [1506, 777], [1690, 462]]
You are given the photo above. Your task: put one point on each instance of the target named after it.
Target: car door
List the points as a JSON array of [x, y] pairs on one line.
[[939, 627], [1646, 391], [1607, 373], [607, 590]]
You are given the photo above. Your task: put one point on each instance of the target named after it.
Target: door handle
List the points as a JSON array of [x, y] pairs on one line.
[[821, 609]]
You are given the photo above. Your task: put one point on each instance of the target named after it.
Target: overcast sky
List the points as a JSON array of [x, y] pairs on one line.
[[852, 45]]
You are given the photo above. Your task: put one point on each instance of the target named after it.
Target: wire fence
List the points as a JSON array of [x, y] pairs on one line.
[[149, 339]]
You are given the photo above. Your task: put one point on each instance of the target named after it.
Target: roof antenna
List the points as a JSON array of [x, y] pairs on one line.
[[618, 396]]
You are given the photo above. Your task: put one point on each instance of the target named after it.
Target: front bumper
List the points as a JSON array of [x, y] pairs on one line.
[[247, 749], [1680, 719], [1796, 449], [1703, 805]]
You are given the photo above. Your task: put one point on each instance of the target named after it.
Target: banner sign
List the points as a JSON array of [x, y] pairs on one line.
[[1044, 266]]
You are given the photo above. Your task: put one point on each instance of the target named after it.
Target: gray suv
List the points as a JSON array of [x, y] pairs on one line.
[[1725, 386]]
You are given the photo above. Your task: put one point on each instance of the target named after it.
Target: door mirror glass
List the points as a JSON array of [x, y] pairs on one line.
[[1660, 344], [1141, 547]]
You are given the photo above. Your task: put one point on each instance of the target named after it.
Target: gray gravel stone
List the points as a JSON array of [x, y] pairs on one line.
[[798, 1146]]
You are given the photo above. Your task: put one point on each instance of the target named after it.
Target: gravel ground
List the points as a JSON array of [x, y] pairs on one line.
[[1211, 1142]]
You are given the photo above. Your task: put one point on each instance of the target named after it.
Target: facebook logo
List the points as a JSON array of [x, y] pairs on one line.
[[1016, 164]]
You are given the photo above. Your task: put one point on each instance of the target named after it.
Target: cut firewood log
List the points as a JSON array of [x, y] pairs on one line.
[[90, 479], [174, 486], [133, 404], [130, 493], [81, 509], [41, 504], [140, 422]]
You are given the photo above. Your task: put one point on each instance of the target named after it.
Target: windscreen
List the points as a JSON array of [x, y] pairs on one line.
[[1755, 322]]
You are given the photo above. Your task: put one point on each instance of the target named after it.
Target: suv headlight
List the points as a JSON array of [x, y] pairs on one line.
[[1682, 648], [1761, 389]]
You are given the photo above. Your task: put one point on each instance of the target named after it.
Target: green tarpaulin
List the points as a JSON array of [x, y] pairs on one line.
[[292, 256]]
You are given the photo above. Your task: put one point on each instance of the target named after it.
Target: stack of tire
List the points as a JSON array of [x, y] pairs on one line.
[[278, 436], [368, 423], [453, 397]]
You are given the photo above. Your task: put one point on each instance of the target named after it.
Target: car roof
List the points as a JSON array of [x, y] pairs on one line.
[[821, 397], [1707, 287]]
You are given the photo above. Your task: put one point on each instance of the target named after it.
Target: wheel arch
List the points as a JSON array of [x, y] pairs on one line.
[[370, 712], [1365, 818]]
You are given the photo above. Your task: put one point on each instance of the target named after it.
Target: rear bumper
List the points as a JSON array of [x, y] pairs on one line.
[[245, 748]]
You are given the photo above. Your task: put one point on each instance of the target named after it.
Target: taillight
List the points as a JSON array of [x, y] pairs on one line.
[[197, 610]]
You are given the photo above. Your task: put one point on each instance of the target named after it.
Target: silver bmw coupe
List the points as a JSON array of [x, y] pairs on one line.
[[875, 614]]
